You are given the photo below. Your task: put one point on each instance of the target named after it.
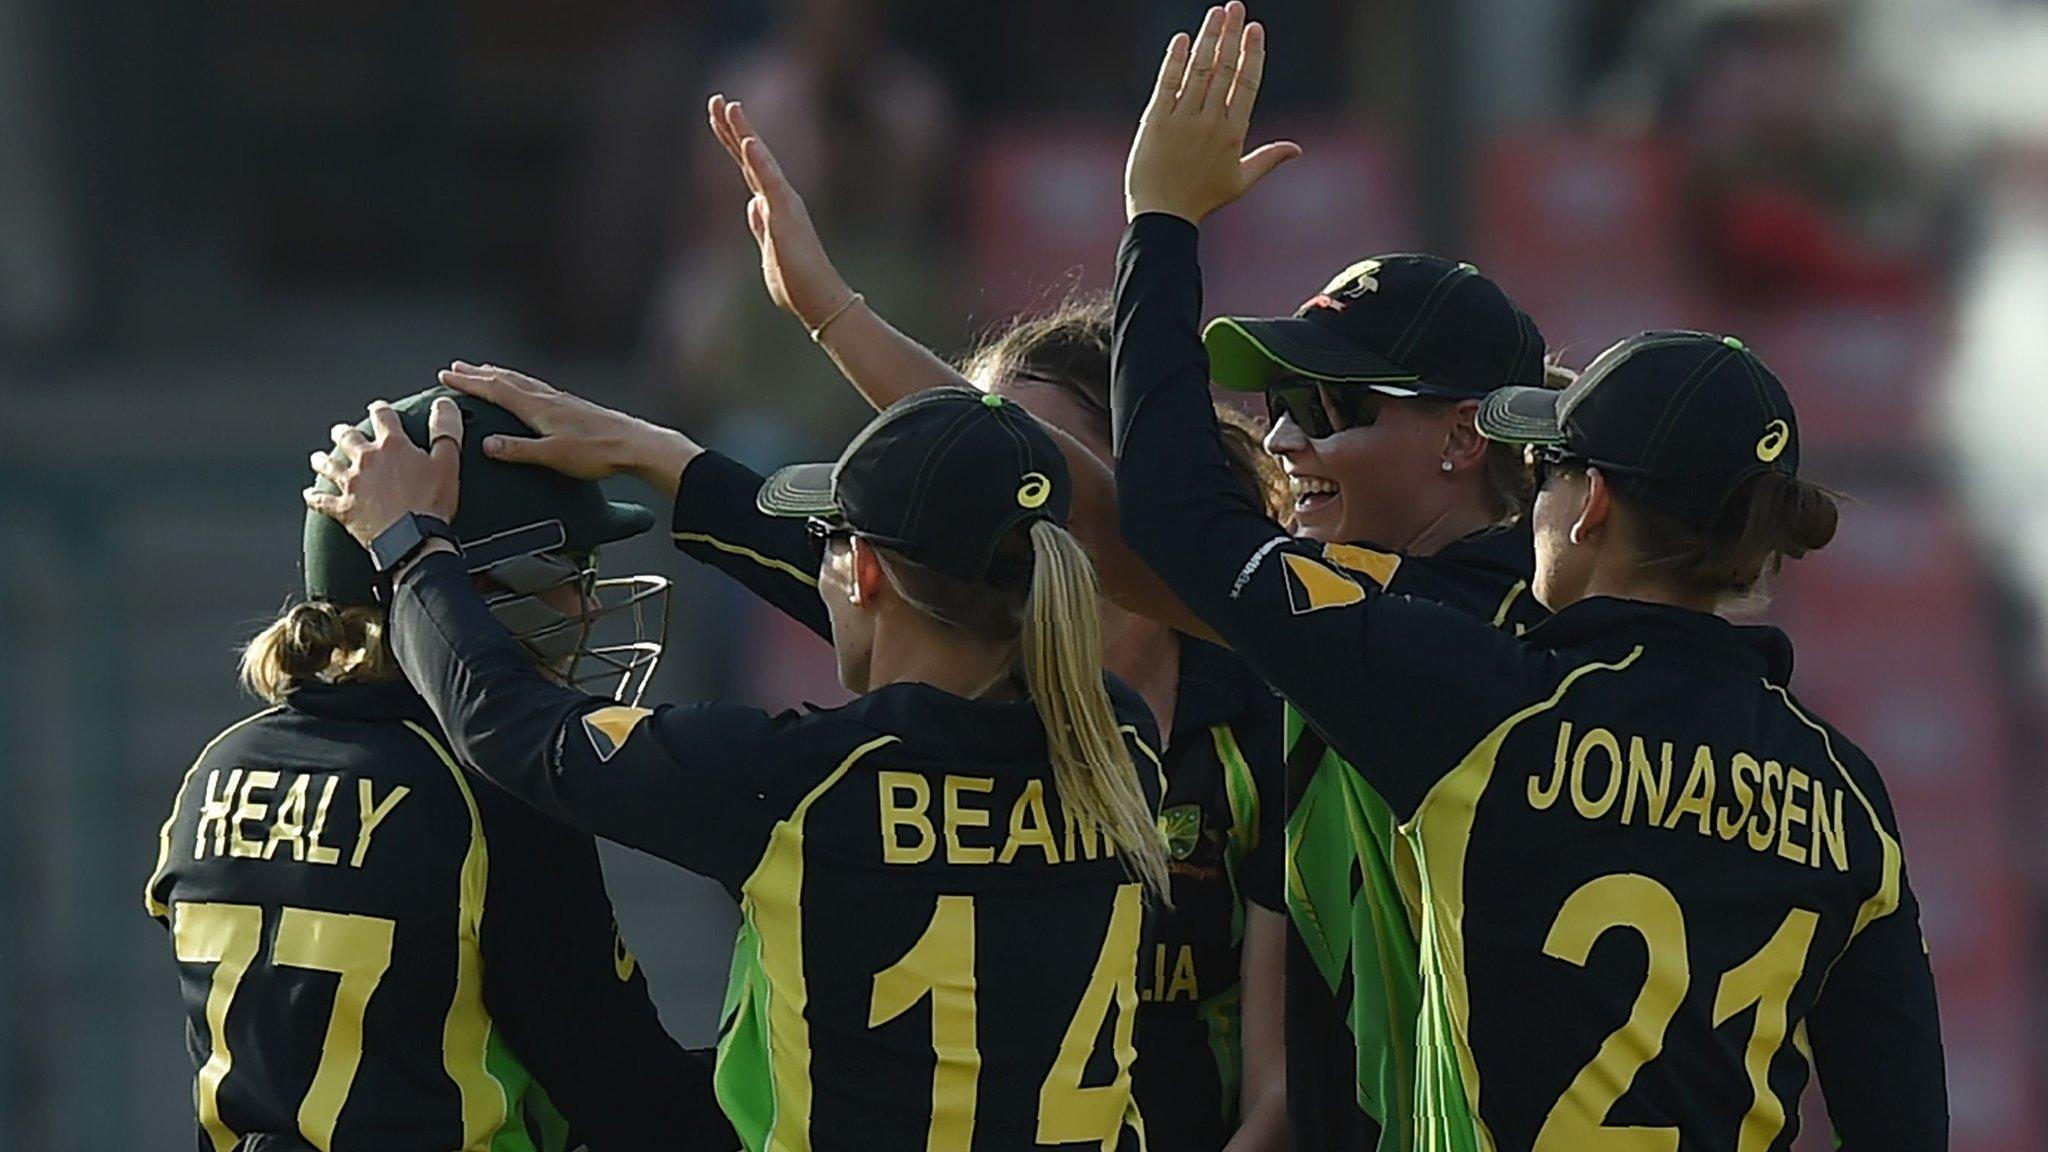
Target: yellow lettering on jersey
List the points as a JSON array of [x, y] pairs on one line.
[[1742, 765], [373, 813], [1698, 797], [1828, 830], [1792, 814], [316, 852], [1183, 985], [958, 815], [1602, 740], [1767, 807], [1541, 796], [290, 825], [1655, 789], [1776, 809], [214, 813], [249, 809], [1030, 827], [891, 787]]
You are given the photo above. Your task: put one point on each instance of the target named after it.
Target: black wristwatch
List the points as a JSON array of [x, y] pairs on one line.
[[397, 544]]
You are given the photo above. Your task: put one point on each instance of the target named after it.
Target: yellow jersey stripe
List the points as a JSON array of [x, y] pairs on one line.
[[770, 900], [154, 906], [1500, 615], [1885, 900], [1441, 845], [1240, 789], [466, 1035], [741, 550]]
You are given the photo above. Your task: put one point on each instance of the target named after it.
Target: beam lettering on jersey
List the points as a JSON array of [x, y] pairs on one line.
[[964, 832], [1772, 808]]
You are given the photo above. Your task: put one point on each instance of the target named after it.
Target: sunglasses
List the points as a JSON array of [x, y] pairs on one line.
[[1323, 411], [823, 530], [1547, 461]]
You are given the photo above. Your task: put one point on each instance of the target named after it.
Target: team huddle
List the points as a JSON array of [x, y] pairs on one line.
[[1382, 775]]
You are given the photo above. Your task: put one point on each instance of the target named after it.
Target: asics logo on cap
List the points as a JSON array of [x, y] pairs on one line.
[[1777, 434], [1035, 490]]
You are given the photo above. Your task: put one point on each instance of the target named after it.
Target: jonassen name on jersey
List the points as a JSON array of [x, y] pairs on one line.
[[1769, 806]]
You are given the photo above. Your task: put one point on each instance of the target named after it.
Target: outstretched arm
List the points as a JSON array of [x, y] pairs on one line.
[[885, 365]]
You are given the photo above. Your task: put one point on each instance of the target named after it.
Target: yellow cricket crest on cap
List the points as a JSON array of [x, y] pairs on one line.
[[1035, 491], [1777, 434], [1355, 279]]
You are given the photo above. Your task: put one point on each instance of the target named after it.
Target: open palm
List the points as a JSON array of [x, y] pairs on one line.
[[798, 274]]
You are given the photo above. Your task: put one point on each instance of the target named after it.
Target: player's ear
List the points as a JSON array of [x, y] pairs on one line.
[[1596, 508], [866, 580], [1464, 447]]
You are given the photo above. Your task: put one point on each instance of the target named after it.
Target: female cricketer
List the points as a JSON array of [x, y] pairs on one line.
[[1653, 887], [1210, 1071], [377, 953], [941, 883]]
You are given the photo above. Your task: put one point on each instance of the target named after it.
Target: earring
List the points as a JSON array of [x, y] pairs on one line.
[[1573, 535], [1447, 465]]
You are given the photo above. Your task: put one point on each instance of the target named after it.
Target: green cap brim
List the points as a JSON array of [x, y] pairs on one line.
[[800, 490], [1247, 354], [1520, 414]]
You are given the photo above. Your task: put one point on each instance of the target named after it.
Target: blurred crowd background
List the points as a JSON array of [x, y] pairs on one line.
[[225, 225]]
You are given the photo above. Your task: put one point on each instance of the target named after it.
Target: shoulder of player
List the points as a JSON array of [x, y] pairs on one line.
[[1832, 745]]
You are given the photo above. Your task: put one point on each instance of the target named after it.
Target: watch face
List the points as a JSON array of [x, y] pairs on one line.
[[394, 543]]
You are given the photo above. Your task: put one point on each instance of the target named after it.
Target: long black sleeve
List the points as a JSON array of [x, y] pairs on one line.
[[716, 522], [571, 1000], [1297, 612], [1876, 1039], [683, 791]]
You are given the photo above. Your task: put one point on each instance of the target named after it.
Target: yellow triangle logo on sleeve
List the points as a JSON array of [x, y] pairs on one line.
[[1376, 564], [1313, 586], [608, 728]]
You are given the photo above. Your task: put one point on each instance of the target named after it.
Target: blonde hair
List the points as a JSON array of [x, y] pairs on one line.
[[319, 641], [1053, 620]]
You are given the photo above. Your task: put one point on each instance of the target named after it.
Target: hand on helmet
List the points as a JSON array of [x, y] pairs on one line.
[[576, 437], [384, 476]]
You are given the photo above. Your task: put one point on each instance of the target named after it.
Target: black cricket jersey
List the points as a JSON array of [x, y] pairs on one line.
[[378, 955], [1221, 816], [1654, 890], [1354, 989], [933, 953]]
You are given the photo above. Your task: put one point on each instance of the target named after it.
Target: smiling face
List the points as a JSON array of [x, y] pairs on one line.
[[1377, 477]]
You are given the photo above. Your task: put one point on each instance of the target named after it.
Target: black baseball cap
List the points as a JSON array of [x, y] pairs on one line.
[[503, 506], [1677, 420], [941, 477], [1402, 324]]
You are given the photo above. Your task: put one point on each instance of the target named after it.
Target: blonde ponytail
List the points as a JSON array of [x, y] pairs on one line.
[[1062, 648], [319, 641]]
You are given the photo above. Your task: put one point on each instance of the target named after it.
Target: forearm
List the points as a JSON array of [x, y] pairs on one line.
[[657, 456], [716, 523], [500, 714], [883, 364], [1180, 507], [1262, 1098]]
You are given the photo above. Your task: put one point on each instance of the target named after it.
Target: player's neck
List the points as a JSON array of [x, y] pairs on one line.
[[944, 660], [1450, 526]]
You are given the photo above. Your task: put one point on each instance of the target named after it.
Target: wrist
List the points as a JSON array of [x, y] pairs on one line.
[[658, 455], [411, 562]]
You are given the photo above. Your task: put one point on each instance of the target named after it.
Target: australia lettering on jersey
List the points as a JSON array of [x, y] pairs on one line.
[[1630, 780], [909, 837], [1167, 980], [252, 814]]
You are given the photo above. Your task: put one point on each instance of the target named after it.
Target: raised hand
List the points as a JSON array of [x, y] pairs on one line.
[[799, 275], [1188, 158], [575, 437], [383, 476]]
